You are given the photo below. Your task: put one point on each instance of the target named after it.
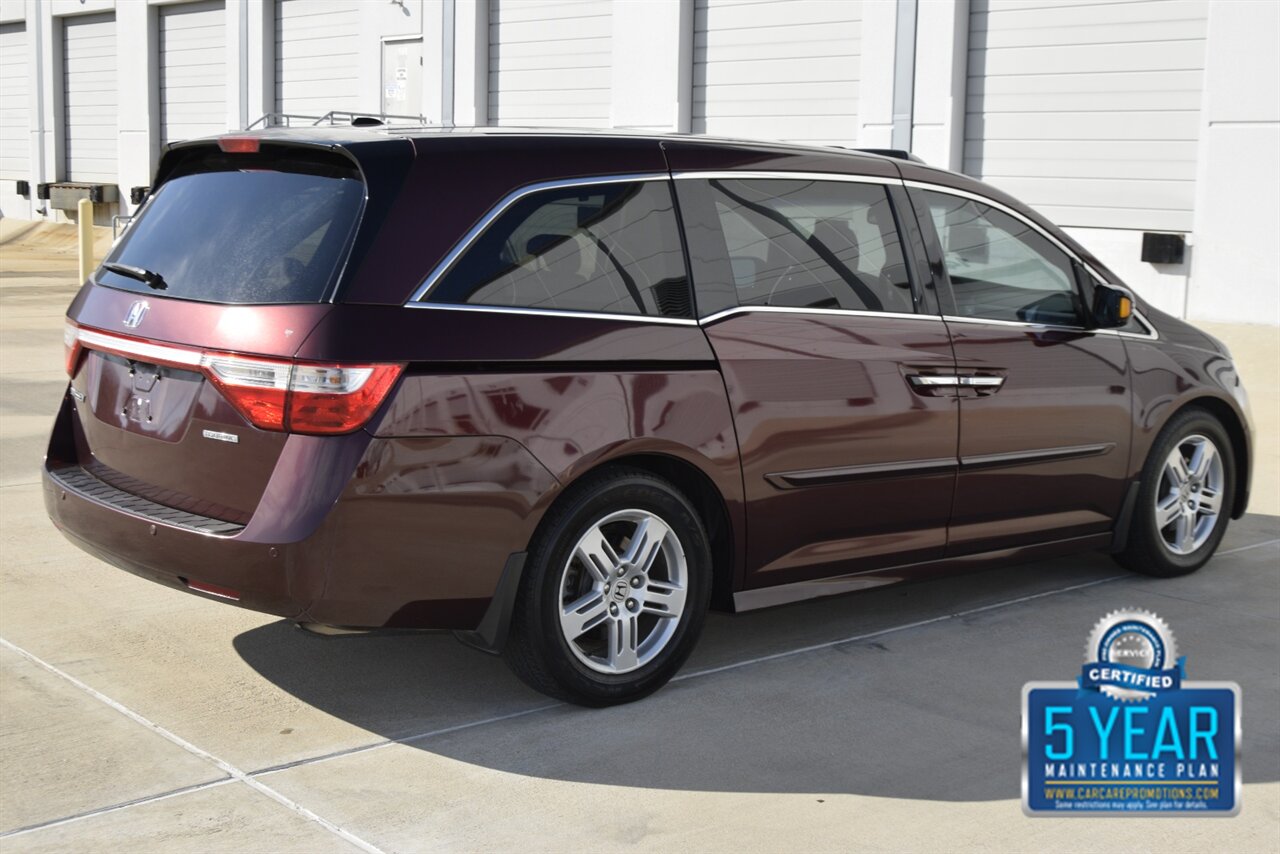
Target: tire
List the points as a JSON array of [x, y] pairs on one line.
[[586, 554], [1168, 550]]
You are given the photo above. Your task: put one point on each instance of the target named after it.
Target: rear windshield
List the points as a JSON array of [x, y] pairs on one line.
[[245, 236]]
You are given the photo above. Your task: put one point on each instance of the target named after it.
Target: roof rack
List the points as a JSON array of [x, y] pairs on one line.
[[895, 153], [334, 118]]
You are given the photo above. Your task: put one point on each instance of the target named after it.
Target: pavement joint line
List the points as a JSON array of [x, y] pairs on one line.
[[247, 777], [941, 618], [1248, 548], [223, 765], [123, 805], [421, 736], [408, 739]]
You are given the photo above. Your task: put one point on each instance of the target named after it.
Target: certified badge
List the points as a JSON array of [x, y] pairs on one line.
[[1131, 655], [1131, 735]]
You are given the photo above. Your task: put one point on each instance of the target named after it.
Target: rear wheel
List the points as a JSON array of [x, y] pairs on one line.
[[614, 593], [1185, 498]]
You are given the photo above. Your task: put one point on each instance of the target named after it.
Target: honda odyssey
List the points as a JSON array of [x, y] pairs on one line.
[[563, 392]]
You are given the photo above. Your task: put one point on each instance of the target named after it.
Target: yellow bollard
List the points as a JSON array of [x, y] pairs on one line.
[[85, 228]]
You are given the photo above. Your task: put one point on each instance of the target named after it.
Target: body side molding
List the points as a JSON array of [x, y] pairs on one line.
[[879, 471]]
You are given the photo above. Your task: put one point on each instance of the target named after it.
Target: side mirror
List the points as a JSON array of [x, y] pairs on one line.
[[1112, 307]]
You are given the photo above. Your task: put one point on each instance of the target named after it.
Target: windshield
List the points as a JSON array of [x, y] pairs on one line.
[[250, 236]]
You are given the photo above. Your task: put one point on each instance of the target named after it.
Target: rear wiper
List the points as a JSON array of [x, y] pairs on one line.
[[150, 279]]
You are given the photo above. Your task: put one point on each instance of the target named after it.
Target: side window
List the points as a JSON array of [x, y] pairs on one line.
[[1000, 267], [812, 244], [611, 248]]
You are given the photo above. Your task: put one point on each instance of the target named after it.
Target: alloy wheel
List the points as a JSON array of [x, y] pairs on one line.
[[623, 591], [1189, 496]]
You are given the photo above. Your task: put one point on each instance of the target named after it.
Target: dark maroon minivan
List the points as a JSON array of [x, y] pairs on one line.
[[563, 392]]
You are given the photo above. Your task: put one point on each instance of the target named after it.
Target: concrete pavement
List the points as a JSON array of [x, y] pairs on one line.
[[135, 716]]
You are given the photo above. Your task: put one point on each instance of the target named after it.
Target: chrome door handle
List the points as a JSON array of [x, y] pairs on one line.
[[989, 384], [934, 380], [929, 383]]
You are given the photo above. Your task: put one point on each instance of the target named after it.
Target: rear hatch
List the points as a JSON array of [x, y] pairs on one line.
[[180, 348]]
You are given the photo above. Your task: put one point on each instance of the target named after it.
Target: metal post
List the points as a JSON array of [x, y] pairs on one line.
[[85, 228], [904, 75]]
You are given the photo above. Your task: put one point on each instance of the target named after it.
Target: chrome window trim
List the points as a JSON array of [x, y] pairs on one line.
[[965, 194], [835, 312], [787, 176], [1151, 335], [1003, 208], [415, 301], [555, 312], [501, 207], [800, 176]]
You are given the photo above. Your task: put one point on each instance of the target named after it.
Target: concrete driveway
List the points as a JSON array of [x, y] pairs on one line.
[[137, 717]]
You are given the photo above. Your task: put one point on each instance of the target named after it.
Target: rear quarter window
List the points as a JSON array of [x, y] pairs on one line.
[[607, 248], [243, 236]]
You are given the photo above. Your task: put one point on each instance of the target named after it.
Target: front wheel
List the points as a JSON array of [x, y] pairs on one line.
[[1185, 499], [614, 592]]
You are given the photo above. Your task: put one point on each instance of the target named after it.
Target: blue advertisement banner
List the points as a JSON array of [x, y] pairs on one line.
[[1175, 752]]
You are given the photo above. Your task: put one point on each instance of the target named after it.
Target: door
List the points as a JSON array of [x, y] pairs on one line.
[[193, 70], [806, 298], [89, 98], [317, 56], [1089, 133], [778, 69], [1044, 409], [15, 134], [402, 77], [550, 62]]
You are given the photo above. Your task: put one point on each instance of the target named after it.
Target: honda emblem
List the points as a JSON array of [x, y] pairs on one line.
[[137, 311]]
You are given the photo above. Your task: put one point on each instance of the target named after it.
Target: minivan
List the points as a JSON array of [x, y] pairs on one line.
[[563, 392]]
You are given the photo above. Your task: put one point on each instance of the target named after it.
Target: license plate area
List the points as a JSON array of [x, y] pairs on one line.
[[156, 401]]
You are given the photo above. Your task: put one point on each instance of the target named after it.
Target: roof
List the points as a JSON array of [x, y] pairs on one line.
[[346, 135]]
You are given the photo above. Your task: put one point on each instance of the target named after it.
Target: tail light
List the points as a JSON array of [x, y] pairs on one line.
[[71, 347], [272, 394]]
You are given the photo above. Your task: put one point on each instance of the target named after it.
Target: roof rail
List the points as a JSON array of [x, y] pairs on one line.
[[895, 153], [334, 118]]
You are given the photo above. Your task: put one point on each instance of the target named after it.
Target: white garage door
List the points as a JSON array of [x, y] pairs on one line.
[[1088, 112], [193, 70], [317, 59], [89, 91], [15, 121], [550, 62], [777, 69]]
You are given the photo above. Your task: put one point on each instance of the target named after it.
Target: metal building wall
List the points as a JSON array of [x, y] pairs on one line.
[[317, 56], [550, 62], [193, 70], [15, 95], [783, 69], [89, 98], [1089, 112], [1114, 118]]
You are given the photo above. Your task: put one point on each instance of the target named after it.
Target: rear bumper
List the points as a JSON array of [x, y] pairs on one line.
[[173, 555], [352, 531]]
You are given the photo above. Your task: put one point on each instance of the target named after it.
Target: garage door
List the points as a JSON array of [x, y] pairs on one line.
[[193, 70], [15, 140], [550, 62], [317, 59], [1088, 112], [89, 97], [777, 69]]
